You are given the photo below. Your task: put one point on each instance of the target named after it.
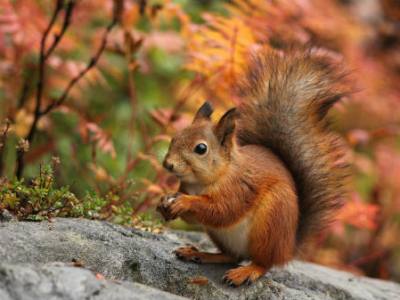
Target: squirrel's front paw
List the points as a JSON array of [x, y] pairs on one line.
[[167, 206]]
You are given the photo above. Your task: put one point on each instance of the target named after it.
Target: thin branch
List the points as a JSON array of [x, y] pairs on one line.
[[24, 93], [142, 6], [3, 141], [42, 64], [66, 23], [92, 62], [44, 55], [39, 86]]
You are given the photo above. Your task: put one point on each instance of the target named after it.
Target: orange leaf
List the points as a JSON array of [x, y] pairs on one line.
[[359, 214]]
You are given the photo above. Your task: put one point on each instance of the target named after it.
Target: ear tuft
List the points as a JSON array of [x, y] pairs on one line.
[[225, 128], [204, 112]]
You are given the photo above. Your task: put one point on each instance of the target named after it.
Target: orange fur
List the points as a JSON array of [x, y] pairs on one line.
[[263, 188], [273, 240], [271, 203], [240, 275], [192, 254]]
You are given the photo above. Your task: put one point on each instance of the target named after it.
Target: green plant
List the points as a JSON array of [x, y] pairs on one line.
[[39, 198]]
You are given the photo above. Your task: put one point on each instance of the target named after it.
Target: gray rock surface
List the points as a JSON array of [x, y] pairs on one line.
[[125, 256], [58, 281]]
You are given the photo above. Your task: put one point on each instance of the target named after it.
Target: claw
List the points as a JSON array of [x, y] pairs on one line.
[[188, 253], [243, 275], [193, 248], [248, 281], [196, 259], [164, 207]]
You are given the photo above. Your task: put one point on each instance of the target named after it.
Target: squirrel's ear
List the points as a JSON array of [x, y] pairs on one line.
[[225, 128], [204, 112]]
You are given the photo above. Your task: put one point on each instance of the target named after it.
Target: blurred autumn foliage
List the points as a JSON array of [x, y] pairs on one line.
[[99, 86]]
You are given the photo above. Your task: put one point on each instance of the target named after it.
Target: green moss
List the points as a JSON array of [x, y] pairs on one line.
[[39, 198]]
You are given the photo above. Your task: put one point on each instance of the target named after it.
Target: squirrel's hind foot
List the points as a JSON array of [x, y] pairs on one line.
[[244, 274]]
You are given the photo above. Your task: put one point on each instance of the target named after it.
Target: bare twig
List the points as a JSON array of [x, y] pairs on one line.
[[3, 141], [44, 55], [24, 93], [66, 23], [142, 6], [42, 61], [39, 87], [92, 62]]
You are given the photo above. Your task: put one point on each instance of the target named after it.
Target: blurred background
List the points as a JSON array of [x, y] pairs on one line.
[[91, 91]]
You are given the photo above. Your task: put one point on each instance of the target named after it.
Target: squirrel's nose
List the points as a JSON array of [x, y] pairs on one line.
[[168, 165]]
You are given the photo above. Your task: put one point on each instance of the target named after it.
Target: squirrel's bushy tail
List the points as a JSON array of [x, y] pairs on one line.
[[286, 99]]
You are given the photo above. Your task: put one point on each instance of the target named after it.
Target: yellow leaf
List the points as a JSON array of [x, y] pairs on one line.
[[23, 122]]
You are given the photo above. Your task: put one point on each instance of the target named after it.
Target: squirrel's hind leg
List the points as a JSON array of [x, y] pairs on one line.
[[192, 254], [244, 274]]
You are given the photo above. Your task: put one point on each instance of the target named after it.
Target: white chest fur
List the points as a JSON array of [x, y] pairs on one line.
[[235, 238]]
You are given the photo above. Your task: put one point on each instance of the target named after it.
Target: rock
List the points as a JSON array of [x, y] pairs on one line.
[[130, 255], [6, 216], [64, 282]]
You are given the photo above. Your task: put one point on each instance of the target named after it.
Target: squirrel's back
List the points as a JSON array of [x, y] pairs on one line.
[[286, 99]]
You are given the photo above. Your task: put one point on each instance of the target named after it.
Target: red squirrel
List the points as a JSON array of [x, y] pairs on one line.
[[269, 175]]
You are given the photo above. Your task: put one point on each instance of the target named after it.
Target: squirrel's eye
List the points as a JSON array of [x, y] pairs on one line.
[[200, 148]]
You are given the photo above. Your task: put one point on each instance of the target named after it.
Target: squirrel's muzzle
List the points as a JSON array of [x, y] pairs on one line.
[[167, 165]]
